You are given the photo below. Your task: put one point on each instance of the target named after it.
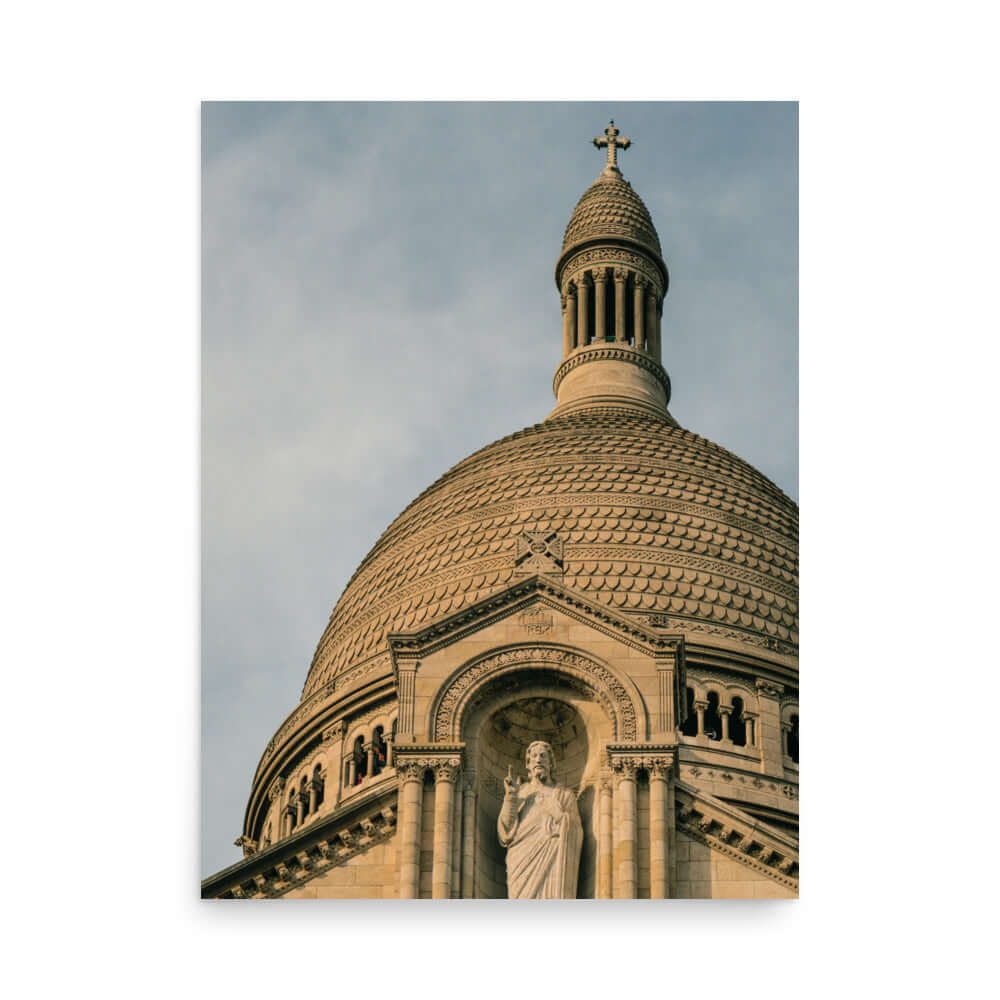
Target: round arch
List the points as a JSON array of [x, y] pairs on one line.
[[617, 694]]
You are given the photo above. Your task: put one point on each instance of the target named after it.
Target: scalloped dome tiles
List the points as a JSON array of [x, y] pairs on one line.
[[654, 520], [610, 207]]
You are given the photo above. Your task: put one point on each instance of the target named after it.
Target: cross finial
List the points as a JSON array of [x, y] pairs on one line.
[[611, 140]]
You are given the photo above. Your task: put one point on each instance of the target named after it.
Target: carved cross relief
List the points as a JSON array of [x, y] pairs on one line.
[[538, 552]]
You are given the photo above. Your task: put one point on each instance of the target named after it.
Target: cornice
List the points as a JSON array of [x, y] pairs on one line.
[[737, 834], [327, 843]]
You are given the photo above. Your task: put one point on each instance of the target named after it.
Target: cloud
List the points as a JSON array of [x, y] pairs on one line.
[[378, 302]]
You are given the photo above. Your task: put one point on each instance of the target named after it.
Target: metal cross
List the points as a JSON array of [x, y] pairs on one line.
[[611, 140]]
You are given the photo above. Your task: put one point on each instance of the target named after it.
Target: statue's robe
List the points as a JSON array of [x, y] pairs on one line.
[[543, 844]]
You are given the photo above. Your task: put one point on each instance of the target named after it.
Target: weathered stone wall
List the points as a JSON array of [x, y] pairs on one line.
[[705, 873], [370, 875]]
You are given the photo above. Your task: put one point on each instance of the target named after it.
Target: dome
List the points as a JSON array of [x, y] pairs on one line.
[[611, 208], [655, 522]]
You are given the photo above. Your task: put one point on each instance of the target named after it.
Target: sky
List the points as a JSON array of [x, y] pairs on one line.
[[378, 302]]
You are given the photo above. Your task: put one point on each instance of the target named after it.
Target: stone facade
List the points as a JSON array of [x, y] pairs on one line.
[[606, 582]]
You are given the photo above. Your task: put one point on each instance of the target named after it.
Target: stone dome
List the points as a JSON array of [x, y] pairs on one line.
[[611, 208], [654, 521]]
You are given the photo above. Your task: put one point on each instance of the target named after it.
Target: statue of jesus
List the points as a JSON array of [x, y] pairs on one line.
[[540, 826]]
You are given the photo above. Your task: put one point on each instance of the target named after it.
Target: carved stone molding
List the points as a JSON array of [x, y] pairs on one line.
[[615, 255], [769, 689], [612, 352], [447, 717]]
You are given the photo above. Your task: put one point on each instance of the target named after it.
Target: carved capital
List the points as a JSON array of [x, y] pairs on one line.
[[701, 706], [600, 275], [659, 768], [410, 770], [769, 689], [276, 789], [562, 302], [725, 710], [335, 732], [621, 275], [624, 768], [446, 771]]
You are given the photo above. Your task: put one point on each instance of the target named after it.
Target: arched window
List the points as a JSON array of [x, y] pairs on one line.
[[360, 761], [793, 739], [713, 721], [378, 751], [737, 724], [690, 727], [318, 784]]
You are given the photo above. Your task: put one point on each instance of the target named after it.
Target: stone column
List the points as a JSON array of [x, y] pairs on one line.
[[312, 796], [605, 844], [583, 300], [456, 842], [352, 770], [620, 276], [749, 719], [567, 332], [411, 799], [369, 749], [786, 731], [652, 334], [666, 717], [469, 803], [445, 775], [335, 757], [600, 306], [387, 737], [624, 829], [639, 313], [769, 736], [724, 712], [659, 827], [657, 334], [571, 316], [699, 707], [300, 807], [274, 794]]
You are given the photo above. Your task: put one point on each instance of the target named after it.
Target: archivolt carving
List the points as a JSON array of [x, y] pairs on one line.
[[448, 715]]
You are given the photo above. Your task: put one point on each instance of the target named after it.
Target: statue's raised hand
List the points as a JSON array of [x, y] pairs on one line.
[[510, 783]]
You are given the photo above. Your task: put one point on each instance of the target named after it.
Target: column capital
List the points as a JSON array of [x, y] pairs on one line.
[[447, 770], [700, 705], [335, 731], [411, 770], [623, 769], [600, 275], [621, 274], [725, 710], [659, 768], [276, 789], [769, 689]]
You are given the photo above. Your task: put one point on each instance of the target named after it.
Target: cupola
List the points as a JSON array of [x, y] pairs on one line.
[[612, 281]]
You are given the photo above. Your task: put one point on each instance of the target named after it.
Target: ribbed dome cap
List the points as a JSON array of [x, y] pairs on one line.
[[609, 207]]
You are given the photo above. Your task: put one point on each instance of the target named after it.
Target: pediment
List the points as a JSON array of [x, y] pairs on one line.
[[534, 602]]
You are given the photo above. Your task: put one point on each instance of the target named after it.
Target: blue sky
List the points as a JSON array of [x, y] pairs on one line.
[[378, 302]]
